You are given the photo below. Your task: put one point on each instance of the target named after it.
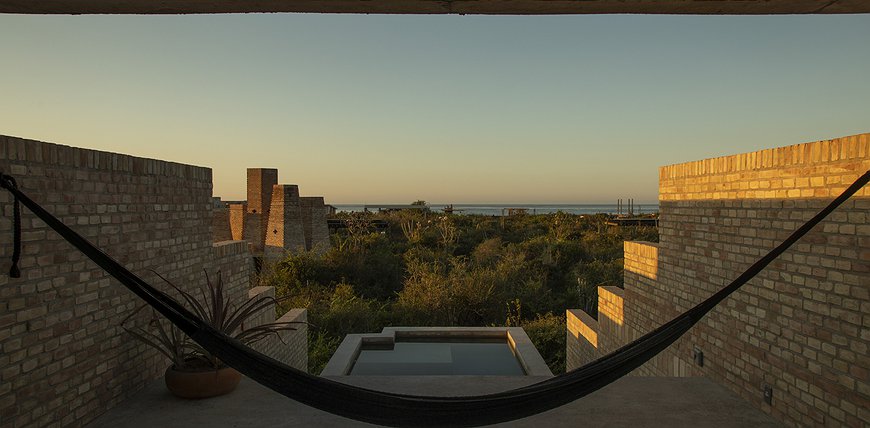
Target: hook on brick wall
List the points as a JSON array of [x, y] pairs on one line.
[[698, 356], [768, 393]]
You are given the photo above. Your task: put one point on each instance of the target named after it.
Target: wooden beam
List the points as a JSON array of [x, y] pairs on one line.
[[483, 7]]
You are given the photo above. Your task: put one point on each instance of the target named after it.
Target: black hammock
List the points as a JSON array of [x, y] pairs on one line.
[[409, 410]]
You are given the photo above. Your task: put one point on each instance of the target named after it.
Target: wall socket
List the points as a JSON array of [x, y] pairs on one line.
[[768, 393], [698, 356]]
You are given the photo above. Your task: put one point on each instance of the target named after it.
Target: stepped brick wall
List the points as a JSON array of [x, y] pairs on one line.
[[582, 344], [290, 347], [802, 327], [64, 359]]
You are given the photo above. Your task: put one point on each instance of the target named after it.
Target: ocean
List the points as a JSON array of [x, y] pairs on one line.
[[496, 209]]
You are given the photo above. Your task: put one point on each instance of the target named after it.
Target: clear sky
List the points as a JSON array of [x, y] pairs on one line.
[[449, 109]]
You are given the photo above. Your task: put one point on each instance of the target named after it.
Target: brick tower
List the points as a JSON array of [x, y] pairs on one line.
[[285, 231]]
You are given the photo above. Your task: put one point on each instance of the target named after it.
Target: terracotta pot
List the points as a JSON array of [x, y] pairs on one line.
[[202, 384]]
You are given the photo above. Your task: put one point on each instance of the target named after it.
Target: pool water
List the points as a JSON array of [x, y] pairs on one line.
[[438, 358]]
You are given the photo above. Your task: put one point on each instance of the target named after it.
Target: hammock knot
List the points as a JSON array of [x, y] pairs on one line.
[[8, 182]]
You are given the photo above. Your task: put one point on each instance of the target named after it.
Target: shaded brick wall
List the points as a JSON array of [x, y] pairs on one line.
[[610, 318], [803, 325], [314, 223], [63, 357], [221, 225], [291, 347], [232, 260], [260, 183]]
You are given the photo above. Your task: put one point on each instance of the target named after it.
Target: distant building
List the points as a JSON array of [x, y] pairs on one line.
[[274, 219]]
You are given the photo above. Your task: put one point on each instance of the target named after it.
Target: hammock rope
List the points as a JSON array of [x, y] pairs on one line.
[[394, 409]]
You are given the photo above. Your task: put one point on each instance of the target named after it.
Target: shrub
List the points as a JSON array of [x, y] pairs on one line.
[[321, 346], [426, 269], [548, 333]]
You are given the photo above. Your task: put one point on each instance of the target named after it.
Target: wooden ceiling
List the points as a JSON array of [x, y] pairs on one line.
[[484, 7]]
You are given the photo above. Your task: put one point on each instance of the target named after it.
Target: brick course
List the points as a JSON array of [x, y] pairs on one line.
[[801, 325]]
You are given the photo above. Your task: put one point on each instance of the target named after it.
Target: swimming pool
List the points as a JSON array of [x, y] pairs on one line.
[[438, 351]]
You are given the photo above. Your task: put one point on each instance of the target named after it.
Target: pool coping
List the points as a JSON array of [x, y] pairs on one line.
[[530, 359]]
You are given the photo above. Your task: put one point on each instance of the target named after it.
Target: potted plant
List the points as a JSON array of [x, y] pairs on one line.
[[194, 372]]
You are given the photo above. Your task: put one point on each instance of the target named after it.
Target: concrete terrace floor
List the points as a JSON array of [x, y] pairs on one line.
[[630, 402]]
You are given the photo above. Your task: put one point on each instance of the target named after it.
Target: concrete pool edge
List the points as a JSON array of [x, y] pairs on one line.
[[528, 356]]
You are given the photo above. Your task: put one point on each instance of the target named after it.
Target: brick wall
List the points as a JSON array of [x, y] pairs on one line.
[[285, 231], [802, 325], [582, 338], [236, 267], [291, 347], [260, 183], [641, 258], [314, 223], [221, 225], [812, 170], [63, 357], [237, 221]]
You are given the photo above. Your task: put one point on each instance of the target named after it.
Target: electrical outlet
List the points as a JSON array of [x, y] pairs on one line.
[[698, 356]]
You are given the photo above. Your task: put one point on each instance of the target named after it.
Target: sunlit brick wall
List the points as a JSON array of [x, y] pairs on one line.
[[582, 339], [802, 325], [641, 258], [237, 221]]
